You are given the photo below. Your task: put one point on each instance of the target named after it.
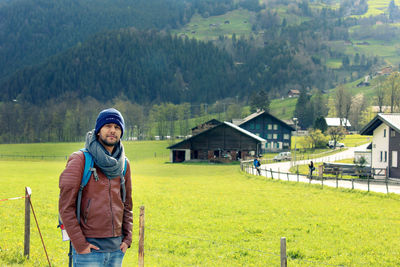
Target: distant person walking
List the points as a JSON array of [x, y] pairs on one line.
[[311, 168], [257, 165], [104, 231]]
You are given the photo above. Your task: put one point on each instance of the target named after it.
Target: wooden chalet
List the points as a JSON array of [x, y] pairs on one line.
[[293, 93], [222, 143], [276, 132]]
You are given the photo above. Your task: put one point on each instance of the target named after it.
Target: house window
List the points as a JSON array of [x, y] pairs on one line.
[[251, 126], [269, 136], [269, 126], [385, 156], [275, 136], [381, 156], [257, 126], [384, 132], [286, 136], [275, 126], [392, 133], [394, 159], [285, 145]]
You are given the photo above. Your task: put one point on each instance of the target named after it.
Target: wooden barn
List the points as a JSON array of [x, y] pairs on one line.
[[222, 143]]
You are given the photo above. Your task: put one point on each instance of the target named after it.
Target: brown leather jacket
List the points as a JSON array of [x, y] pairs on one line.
[[103, 214]]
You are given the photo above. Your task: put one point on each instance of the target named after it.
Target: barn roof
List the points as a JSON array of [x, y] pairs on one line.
[[231, 125], [259, 113], [391, 119], [210, 122]]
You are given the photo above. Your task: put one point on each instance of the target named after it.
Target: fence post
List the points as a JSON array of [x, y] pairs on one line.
[[272, 176], [283, 252], [321, 175], [279, 174], [352, 183], [368, 183], [27, 235], [386, 180], [287, 176], [337, 183], [141, 237], [297, 177]]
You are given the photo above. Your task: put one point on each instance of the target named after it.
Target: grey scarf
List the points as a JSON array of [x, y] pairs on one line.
[[111, 165]]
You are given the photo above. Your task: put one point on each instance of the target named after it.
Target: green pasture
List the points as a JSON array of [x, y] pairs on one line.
[[283, 108], [208, 215], [377, 7], [212, 27]]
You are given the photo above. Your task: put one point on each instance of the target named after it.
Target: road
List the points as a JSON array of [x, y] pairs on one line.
[[283, 169]]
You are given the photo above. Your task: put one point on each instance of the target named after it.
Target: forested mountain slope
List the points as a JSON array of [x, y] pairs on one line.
[[32, 30], [151, 67]]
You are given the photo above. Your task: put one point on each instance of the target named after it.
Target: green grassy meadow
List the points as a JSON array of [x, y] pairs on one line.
[[207, 215], [200, 28]]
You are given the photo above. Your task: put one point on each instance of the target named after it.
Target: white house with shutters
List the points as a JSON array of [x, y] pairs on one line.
[[385, 146]]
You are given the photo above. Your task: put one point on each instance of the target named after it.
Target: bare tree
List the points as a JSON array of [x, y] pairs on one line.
[[357, 110], [343, 102], [392, 88], [380, 94], [336, 134]]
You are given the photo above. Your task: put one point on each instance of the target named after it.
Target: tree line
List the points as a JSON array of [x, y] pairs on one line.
[[68, 119]]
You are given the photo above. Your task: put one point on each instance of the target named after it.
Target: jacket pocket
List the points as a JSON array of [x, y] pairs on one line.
[[86, 213]]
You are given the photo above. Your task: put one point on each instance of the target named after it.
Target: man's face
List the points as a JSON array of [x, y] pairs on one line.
[[110, 134]]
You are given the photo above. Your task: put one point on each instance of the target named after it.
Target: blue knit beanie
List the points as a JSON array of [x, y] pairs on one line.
[[110, 115]]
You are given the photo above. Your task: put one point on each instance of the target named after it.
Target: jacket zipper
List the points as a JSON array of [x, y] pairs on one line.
[[112, 214], [86, 215]]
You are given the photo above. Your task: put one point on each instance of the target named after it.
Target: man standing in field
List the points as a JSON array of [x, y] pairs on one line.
[[104, 231]]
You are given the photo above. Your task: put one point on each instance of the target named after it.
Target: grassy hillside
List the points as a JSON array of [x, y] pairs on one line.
[[235, 22], [210, 215], [377, 7]]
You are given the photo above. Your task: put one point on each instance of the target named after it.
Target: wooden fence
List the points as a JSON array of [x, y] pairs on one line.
[[381, 184]]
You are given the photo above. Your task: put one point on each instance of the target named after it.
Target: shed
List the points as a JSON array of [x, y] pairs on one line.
[[224, 142]]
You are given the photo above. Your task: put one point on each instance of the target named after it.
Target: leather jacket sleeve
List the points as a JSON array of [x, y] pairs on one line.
[[128, 217], [69, 183]]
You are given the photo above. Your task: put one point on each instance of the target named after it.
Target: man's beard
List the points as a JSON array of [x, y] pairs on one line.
[[105, 142]]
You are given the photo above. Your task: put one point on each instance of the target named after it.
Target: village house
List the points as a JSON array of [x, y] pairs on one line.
[[293, 93], [385, 71], [336, 122], [385, 131], [222, 143], [276, 132]]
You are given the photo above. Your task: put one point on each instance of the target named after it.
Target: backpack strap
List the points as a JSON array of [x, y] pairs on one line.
[[87, 172]]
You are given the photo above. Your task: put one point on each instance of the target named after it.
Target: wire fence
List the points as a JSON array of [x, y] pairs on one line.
[[276, 256], [380, 185]]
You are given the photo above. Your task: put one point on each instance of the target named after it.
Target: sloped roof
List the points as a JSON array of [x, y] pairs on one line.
[[259, 113], [210, 122], [332, 122], [224, 123], [245, 132], [391, 119]]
